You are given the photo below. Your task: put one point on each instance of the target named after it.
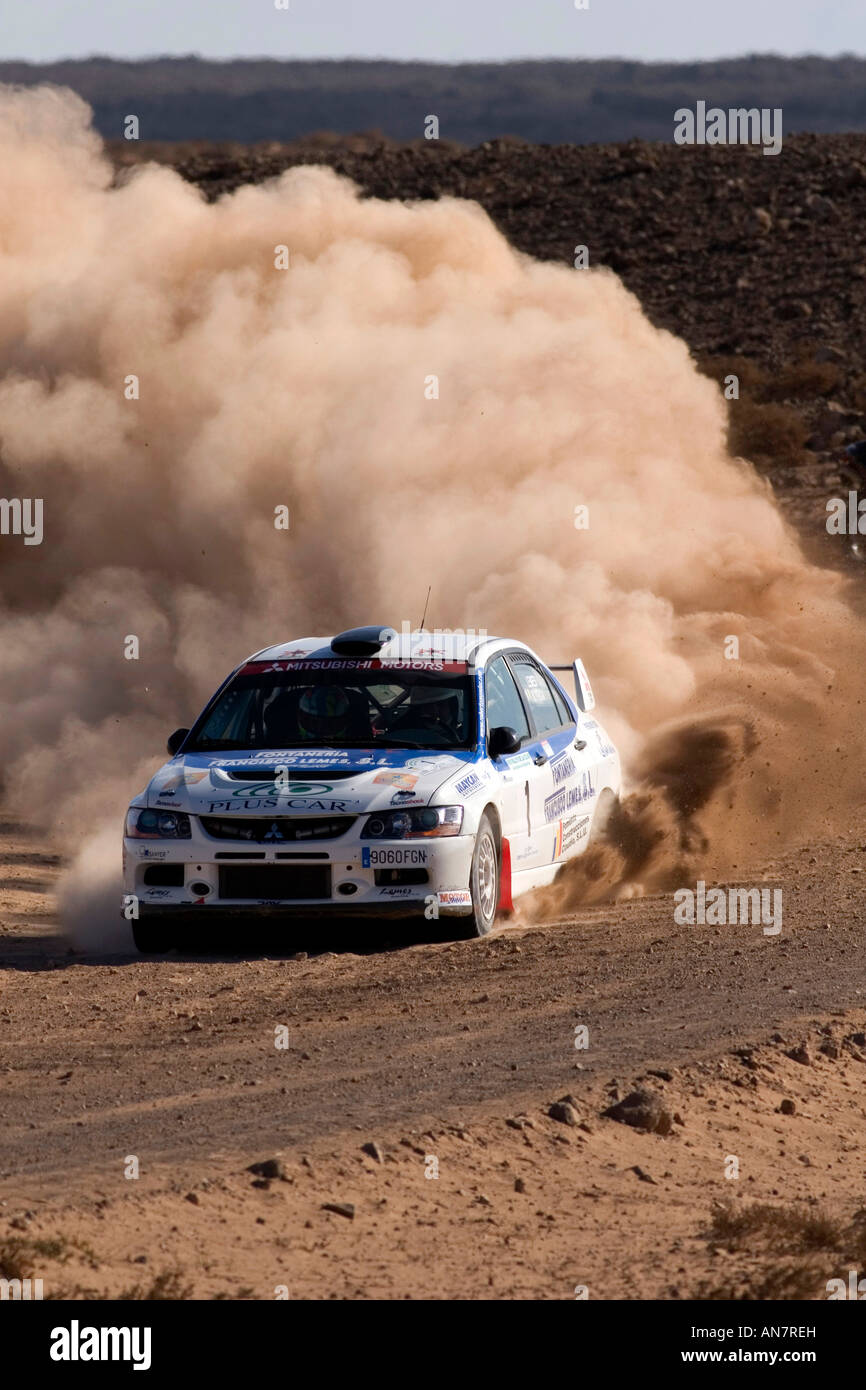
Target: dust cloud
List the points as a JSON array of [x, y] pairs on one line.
[[432, 407]]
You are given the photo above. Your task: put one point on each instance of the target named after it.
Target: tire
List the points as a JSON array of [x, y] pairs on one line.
[[151, 938], [484, 880]]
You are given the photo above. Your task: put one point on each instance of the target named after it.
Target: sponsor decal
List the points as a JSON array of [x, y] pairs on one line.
[[396, 892], [309, 757], [548, 747], [371, 858], [147, 853], [407, 799], [454, 897], [166, 803], [571, 832], [431, 764], [290, 788], [518, 760], [527, 853], [469, 785], [562, 768], [481, 705], [533, 688], [404, 780], [605, 747], [555, 806], [281, 803], [157, 892], [173, 781], [557, 840], [301, 663]]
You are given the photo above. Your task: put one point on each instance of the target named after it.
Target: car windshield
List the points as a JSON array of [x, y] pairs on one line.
[[383, 707]]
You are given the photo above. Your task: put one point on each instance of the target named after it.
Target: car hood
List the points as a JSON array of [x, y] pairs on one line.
[[316, 781]]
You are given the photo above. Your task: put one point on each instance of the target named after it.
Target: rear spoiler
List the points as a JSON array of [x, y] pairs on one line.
[[582, 687]]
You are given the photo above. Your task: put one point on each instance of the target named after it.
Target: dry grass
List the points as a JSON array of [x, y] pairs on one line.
[[22, 1257], [168, 1286], [817, 1248]]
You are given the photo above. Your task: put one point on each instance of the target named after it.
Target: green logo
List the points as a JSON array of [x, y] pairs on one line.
[[284, 789]]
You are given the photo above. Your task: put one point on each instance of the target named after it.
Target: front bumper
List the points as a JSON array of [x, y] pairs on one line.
[[344, 877]]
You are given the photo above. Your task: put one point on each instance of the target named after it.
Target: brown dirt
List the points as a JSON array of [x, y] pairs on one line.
[[430, 1050]]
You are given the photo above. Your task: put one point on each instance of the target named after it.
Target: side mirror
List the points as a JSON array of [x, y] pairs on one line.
[[175, 740], [502, 740]]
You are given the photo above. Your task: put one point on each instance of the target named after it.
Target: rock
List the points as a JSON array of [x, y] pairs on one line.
[[340, 1209], [269, 1168], [643, 1175], [565, 1113], [373, 1151], [192, 1197], [642, 1109], [788, 1107], [763, 221], [828, 353], [830, 1049], [823, 208], [519, 1185], [800, 1054]]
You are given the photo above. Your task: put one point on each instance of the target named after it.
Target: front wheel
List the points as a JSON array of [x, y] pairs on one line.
[[151, 938], [484, 880]]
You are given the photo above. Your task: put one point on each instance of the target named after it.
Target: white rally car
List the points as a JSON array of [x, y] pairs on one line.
[[370, 773]]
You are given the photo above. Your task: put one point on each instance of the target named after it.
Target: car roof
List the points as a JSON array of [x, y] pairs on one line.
[[473, 646]]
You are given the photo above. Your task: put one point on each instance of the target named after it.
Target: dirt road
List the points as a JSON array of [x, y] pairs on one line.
[[427, 1051]]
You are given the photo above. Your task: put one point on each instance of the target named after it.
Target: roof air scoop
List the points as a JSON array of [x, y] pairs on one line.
[[362, 641]]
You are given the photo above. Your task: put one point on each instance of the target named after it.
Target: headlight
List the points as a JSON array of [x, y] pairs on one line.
[[412, 825], [157, 825]]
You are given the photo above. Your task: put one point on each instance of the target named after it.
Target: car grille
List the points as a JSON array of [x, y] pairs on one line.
[[275, 881], [276, 829]]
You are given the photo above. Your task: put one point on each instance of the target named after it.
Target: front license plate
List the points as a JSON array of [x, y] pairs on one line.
[[392, 858]]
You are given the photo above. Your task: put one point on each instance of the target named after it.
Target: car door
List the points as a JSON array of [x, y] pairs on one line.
[[563, 786], [504, 707]]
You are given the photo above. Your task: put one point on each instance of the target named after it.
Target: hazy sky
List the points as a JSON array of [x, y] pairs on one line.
[[438, 30]]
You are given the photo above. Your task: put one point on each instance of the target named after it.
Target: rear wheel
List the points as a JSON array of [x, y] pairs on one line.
[[484, 880], [151, 938]]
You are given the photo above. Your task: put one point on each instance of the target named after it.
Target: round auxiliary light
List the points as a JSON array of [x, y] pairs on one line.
[[429, 819], [375, 826]]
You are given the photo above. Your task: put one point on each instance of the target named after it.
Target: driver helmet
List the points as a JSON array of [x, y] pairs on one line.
[[433, 703], [323, 713]]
